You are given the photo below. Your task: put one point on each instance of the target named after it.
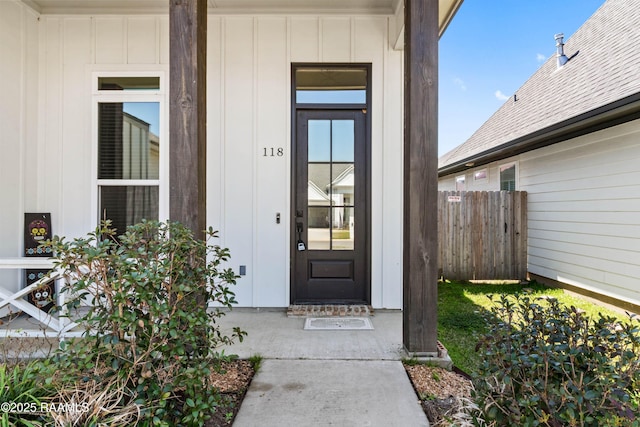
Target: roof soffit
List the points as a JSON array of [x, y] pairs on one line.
[[446, 11], [336, 7]]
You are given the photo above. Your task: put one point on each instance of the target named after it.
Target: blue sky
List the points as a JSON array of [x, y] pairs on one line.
[[147, 111], [489, 50]]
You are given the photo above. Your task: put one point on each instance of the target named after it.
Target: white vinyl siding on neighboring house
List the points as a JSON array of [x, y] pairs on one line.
[[447, 183], [584, 211]]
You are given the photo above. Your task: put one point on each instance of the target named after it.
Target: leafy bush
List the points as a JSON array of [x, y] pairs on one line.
[[143, 299], [547, 364]]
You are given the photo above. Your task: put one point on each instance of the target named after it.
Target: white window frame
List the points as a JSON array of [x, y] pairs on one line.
[[463, 179], [159, 96], [507, 166]]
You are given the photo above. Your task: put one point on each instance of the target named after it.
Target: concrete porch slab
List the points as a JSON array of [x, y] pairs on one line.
[[273, 335]]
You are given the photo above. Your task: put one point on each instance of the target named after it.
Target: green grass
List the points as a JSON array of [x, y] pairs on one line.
[[460, 315], [256, 362], [341, 234]]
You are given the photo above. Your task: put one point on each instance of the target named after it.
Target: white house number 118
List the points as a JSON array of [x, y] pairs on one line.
[[272, 152]]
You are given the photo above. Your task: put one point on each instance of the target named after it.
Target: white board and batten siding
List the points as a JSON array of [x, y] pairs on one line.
[[249, 109], [583, 210], [20, 157]]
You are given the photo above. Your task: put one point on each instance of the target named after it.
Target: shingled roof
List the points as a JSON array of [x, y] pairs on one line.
[[599, 87]]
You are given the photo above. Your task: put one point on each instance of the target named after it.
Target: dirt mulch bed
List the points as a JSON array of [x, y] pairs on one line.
[[233, 383], [441, 392]]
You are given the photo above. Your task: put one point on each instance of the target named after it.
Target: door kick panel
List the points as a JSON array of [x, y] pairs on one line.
[[331, 269]]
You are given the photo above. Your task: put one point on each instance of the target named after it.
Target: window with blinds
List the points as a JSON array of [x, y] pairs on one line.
[[128, 155], [127, 146]]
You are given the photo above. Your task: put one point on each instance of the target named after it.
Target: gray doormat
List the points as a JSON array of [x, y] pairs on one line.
[[337, 323]]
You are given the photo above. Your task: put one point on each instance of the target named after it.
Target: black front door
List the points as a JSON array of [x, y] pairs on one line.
[[330, 230]]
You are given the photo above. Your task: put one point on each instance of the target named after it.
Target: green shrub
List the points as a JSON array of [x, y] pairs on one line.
[[547, 364], [143, 299]]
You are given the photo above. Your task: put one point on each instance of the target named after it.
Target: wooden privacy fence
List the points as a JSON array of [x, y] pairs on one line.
[[482, 235]]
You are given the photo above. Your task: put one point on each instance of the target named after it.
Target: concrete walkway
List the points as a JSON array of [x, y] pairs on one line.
[[324, 378]]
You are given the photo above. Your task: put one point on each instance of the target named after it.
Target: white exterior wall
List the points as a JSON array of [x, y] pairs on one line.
[[19, 158], [249, 67], [583, 210], [249, 109]]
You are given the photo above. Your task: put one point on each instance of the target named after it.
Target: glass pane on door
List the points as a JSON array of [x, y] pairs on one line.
[[342, 232], [331, 184], [342, 140], [319, 232], [319, 140]]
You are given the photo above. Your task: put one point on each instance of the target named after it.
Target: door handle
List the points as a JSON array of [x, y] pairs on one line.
[[301, 245]]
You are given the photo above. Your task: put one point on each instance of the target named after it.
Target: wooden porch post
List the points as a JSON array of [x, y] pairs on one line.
[[420, 260], [187, 113]]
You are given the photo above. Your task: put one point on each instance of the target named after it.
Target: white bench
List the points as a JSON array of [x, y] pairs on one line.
[[54, 327]]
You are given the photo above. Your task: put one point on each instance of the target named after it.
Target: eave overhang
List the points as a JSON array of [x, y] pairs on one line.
[[447, 9], [606, 116]]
